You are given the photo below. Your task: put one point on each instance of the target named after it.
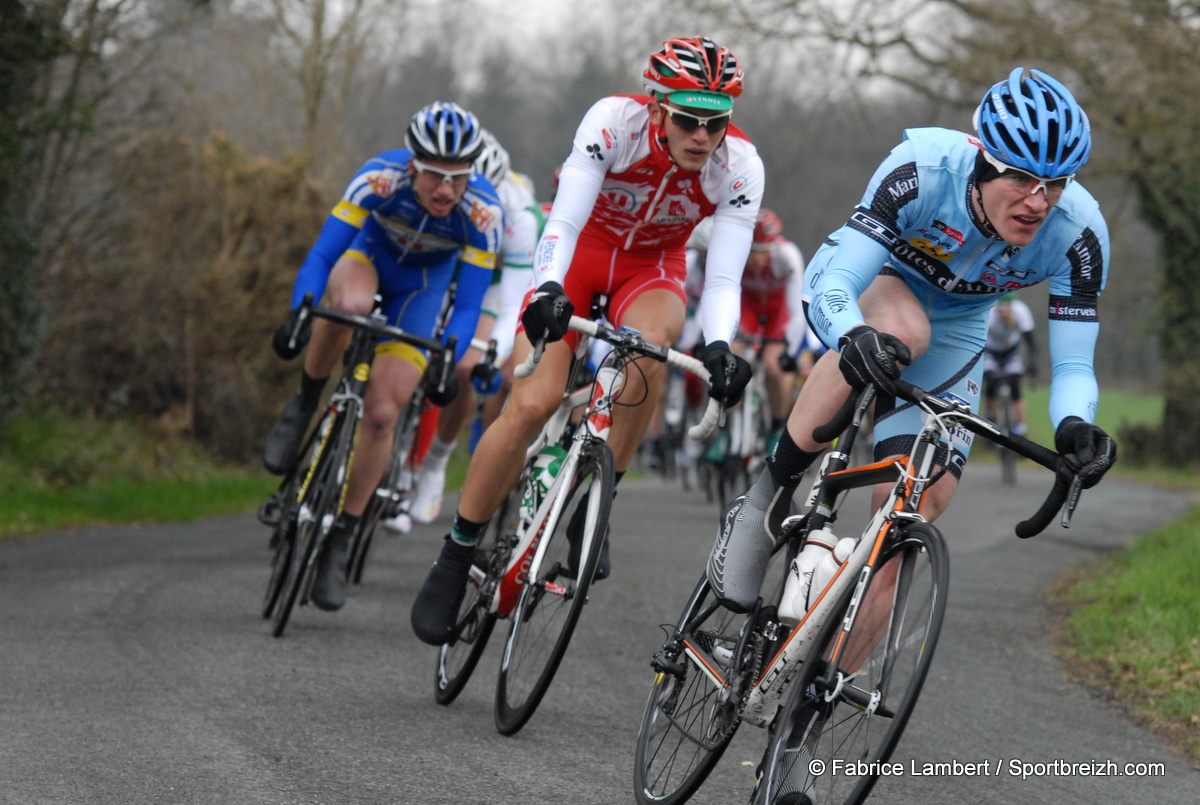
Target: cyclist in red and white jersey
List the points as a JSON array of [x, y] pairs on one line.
[[643, 170], [773, 308]]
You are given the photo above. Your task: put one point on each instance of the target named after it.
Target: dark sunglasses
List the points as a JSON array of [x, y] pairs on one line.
[[688, 123]]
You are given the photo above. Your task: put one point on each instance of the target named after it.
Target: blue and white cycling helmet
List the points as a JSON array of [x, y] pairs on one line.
[[493, 163], [1034, 124], [444, 132]]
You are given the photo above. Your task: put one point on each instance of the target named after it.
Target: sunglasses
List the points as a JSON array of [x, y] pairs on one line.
[[1051, 188], [444, 176], [688, 123]]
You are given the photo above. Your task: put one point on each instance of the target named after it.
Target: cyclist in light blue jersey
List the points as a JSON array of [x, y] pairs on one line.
[[949, 223], [409, 220]]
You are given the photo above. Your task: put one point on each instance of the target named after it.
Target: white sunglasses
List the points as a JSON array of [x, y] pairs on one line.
[[1049, 187], [447, 177]]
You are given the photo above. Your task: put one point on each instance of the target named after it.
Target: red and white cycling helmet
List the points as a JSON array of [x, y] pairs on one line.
[[695, 72], [767, 227]]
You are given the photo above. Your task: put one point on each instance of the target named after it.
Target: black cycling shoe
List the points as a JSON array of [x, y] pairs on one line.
[[283, 442], [575, 538], [435, 611], [329, 586]]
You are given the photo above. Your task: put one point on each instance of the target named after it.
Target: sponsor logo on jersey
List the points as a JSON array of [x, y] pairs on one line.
[[950, 232], [483, 216], [898, 189], [609, 140], [381, 184], [738, 184]]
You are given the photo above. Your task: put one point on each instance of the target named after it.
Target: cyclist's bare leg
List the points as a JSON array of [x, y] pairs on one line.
[[456, 414], [659, 316], [351, 289], [499, 456], [779, 382], [393, 380]]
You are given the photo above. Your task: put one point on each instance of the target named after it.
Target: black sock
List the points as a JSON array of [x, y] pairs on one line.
[[310, 389], [788, 462]]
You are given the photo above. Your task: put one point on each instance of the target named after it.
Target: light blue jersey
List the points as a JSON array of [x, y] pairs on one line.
[[916, 222]]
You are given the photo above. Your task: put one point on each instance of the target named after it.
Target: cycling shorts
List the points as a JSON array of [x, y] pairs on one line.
[[412, 297], [622, 276], [767, 319], [951, 366]]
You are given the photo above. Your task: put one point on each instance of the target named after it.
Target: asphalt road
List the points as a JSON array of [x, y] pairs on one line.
[[135, 669]]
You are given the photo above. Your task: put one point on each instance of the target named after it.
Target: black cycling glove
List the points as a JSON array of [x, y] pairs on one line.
[[433, 374], [287, 342], [1086, 450], [870, 357], [548, 315], [728, 373]]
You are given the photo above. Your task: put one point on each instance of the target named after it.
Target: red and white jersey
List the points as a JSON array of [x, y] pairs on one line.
[[620, 186], [781, 275]]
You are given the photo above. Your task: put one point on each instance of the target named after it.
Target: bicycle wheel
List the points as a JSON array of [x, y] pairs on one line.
[[692, 712], [832, 735], [1008, 459], [554, 594], [324, 477], [284, 540], [458, 658]]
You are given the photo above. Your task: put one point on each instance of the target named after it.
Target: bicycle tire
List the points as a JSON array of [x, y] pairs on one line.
[[846, 729], [458, 658], [550, 603], [1008, 459], [689, 720], [284, 539], [315, 511]]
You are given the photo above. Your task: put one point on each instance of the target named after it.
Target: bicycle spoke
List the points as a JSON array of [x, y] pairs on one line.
[[555, 593]]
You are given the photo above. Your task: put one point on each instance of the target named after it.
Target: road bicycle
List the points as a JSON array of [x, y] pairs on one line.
[[737, 448], [835, 685], [1004, 416], [526, 567], [310, 497]]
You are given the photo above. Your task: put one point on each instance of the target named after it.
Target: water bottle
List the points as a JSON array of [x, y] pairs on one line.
[[545, 468], [811, 571]]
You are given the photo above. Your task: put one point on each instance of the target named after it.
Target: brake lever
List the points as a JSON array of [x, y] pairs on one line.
[[1072, 501]]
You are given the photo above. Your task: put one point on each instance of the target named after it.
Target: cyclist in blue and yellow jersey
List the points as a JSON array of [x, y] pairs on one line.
[[409, 220], [501, 305], [949, 223], [642, 171]]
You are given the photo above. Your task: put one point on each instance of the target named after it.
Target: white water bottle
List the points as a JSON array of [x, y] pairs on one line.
[[811, 571], [545, 468]]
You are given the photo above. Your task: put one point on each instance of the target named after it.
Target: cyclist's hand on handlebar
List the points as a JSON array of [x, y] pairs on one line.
[[728, 373], [870, 357], [1086, 450], [486, 379], [788, 363], [549, 312], [433, 376], [284, 334]]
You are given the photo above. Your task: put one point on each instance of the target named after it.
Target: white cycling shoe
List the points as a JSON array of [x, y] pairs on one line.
[[427, 502]]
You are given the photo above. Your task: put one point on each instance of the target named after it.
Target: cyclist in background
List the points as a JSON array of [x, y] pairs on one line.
[[948, 224], [773, 310], [501, 304], [643, 170], [409, 219], [1010, 326]]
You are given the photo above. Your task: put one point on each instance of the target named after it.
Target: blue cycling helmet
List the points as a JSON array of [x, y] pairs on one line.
[[1033, 123], [444, 132]]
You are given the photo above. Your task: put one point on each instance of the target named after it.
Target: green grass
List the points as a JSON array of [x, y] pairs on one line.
[[1134, 620], [1118, 408]]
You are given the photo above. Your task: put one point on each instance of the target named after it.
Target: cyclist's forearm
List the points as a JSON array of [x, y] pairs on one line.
[[336, 236], [1073, 387]]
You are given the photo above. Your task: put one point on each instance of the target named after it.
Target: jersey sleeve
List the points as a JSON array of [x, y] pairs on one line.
[[338, 232], [579, 184], [730, 241], [1074, 324]]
